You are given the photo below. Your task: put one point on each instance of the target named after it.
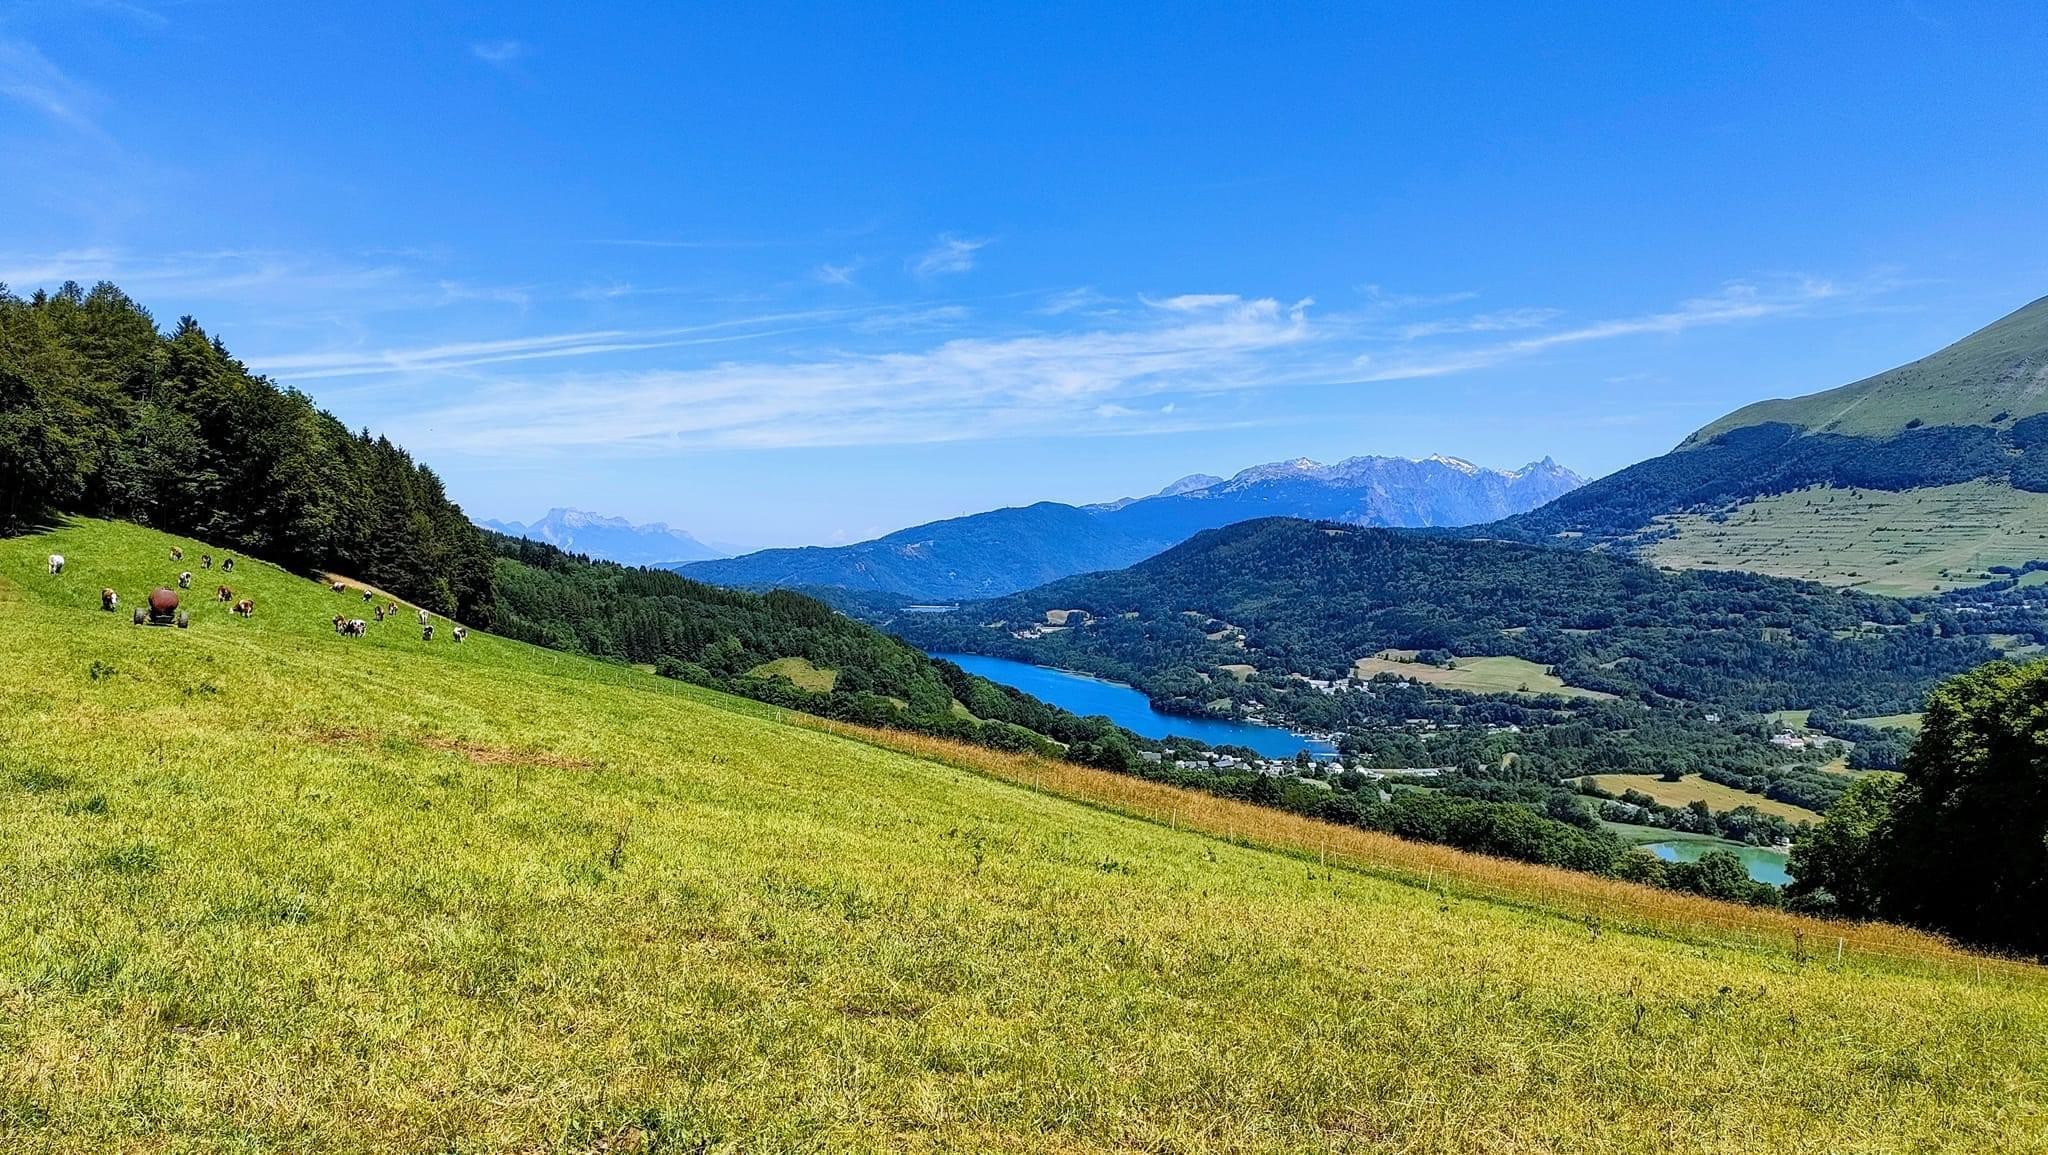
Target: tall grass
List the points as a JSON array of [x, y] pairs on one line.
[[263, 888]]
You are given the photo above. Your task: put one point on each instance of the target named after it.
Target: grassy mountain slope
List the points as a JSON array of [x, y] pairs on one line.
[[266, 888], [1998, 373], [1975, 413]]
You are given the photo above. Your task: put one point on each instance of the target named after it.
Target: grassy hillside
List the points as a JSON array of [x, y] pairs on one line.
[[1996, 374], [265, 888], [1916, 542], [1955, 444]]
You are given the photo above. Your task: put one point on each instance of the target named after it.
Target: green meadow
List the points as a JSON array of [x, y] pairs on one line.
[[1913, 542], [268, 889]]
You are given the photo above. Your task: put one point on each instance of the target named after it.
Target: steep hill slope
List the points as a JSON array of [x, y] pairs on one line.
[[270, 888], [1995, 375], [1964, 430], [1005, 550]]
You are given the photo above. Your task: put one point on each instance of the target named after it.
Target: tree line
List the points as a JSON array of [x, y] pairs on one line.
[[103, 414]]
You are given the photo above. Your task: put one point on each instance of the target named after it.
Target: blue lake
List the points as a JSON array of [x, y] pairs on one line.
[[1763, 865], [1130, 709]]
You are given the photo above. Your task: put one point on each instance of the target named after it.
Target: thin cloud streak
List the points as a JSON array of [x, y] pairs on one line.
[[950, 256], [1739, 301], [29, 78]]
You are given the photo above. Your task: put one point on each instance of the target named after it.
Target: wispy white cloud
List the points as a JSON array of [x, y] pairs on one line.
[[959, 389], [1501, 322], [500, 53], [217, 274], [1737, 301], [1082, 300], [831, 274], [949, 256], [463, 355], [27, 77]]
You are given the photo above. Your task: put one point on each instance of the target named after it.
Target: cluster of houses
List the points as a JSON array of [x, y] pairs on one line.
[[1282, 767]]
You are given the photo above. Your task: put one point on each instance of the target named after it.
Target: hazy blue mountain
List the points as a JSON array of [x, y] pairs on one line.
[[1006, 550], [610, 538]]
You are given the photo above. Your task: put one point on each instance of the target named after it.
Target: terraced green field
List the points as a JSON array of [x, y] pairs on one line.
[[1918, 541], [264, 888]]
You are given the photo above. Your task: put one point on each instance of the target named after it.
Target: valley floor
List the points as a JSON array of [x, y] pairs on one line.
[[264, 888]]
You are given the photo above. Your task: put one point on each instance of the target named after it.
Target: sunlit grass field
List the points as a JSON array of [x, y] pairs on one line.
[[1915, 542], [1695, 788], [1494, 675], [263, 888]]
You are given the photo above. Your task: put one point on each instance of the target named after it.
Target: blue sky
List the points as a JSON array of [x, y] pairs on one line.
[[796, 274]]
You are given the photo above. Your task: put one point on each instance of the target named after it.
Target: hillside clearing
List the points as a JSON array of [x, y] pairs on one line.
[[1474, 675], [800, 672], [1893, 721], [268, 888], [1914, 542], [1693, 788]]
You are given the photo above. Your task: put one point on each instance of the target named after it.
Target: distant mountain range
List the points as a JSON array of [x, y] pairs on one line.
[[1921, 478], [611, 538], [1006, 550]]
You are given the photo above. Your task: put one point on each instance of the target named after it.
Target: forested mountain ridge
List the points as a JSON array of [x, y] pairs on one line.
[[1006, 550], [1286, 597], [101, 413], [1965, 430]]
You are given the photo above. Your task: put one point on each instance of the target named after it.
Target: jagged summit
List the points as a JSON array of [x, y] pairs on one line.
[[611, 538]]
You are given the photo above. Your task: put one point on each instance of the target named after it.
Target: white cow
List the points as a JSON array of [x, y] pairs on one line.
[[424, 617], [461, 633], [56, 563]]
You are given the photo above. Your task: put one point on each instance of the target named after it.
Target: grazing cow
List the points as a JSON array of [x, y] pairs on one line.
[[424, 618], [461, 632], [245, 608], [367, 595], [109, 600], [380, 613], [177, 553], [223, 594], [56, 564], [205, 561], [350, 627], [427, 632], [185, 580], [339, 587], [227, 566]]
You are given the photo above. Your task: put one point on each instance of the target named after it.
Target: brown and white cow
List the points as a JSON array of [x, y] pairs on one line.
[[339, 587], [245, 608], [177, 553], [109, 600], [223, 594]]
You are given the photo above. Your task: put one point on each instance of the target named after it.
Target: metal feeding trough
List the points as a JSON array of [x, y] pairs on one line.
[[162, 611]]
